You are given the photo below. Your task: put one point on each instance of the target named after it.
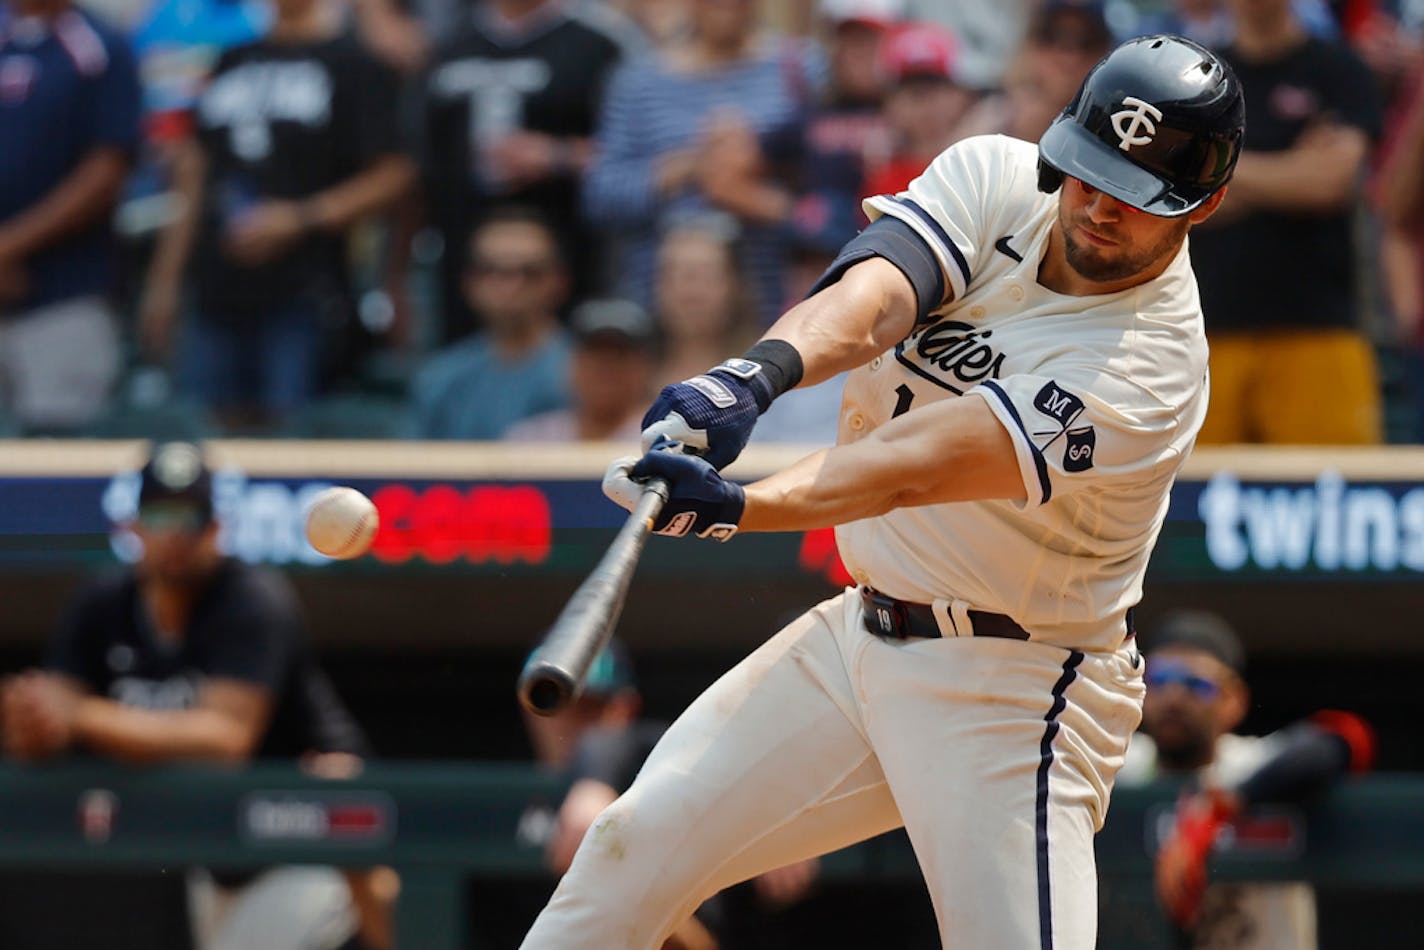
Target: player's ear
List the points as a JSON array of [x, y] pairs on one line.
[[1235, 701], [1208, 207]]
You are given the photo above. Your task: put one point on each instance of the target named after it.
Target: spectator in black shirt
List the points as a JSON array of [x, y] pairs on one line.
[[1277, 267], [193, 657], [507, 115], [296, 140]]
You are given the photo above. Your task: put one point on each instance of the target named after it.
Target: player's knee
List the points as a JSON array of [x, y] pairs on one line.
[[628, 834]]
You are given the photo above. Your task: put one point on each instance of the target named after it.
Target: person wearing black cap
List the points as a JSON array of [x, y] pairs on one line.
[[1196, 697], [191, 656]]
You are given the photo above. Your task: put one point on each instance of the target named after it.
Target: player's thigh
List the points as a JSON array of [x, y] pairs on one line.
[[1323, 389], [1232, 367], [770, 737], [1001, 755], [287, 908]]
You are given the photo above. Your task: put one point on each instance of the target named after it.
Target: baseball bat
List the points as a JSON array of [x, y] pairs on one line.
[[555, 672]]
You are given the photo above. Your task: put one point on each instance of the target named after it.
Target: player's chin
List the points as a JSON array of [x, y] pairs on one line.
[[1100, 265]]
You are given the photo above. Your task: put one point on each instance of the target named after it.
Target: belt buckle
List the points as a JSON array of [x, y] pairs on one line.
[[885, 616]]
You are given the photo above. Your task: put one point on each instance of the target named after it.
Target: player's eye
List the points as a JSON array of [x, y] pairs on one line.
[[1089, 191], [1199, 686]]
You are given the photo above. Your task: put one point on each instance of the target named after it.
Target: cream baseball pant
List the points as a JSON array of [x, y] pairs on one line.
[[996, 755]]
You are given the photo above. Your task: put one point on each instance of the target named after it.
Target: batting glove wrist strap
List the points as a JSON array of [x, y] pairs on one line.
[[781, 367]]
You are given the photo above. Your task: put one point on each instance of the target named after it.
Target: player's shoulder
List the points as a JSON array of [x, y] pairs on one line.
[[110, 589], [601, 24], [254, 587], [996, 174], [90, 40], [987, 158], [1238, 756]]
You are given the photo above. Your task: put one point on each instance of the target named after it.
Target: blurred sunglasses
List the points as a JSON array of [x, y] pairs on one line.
[[524, 270], [1199, 686], [172, 518]]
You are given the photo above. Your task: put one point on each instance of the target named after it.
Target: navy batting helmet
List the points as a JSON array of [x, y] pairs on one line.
[[1157, 124]]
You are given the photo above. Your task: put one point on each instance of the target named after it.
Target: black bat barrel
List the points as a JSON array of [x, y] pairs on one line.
[[555, 673]]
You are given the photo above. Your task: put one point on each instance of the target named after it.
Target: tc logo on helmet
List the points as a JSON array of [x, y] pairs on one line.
[[1143, 116]]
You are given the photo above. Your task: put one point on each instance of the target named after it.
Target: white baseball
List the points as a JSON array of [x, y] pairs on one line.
[[341, 523]]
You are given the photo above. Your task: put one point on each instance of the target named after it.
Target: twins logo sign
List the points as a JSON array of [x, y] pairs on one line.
[[1064, 408]]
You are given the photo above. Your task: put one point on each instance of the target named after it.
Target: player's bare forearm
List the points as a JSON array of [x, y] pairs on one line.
[[871, 308], [147, 736], [955, 450], [175, 242], [1402, 189], [379, 186], [1317, 176], [84, 195]]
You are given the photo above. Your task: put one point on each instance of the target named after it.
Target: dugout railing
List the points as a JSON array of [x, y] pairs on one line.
[[440, 824]]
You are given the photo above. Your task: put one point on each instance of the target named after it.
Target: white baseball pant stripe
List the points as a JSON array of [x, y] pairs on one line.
[[996, 755]]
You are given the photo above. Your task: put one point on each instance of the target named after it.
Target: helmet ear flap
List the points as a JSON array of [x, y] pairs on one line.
[[1050, 179]]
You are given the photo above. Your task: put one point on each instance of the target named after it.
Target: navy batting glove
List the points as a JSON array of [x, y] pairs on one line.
[[713, 414], [699, 499]]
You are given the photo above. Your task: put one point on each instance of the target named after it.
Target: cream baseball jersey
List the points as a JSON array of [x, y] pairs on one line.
[[1102, 395]]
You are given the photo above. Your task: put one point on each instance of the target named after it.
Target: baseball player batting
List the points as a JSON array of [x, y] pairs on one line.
[[1030, 371]]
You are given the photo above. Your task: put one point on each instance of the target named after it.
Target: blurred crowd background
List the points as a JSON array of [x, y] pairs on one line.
[[515, 219]]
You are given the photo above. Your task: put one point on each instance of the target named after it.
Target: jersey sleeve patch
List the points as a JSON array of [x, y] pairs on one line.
[[1064, 408], [1078, 449], [1057, 403]]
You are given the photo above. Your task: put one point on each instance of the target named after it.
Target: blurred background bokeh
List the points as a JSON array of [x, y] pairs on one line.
[[446, 251]]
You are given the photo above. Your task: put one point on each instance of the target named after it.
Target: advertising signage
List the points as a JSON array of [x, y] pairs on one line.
[[1232, 515]]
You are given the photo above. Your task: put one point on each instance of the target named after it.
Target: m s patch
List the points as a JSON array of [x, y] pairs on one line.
[[1057, 403], [1078, 453]]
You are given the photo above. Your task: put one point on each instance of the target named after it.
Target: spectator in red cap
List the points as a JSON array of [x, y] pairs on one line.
[[924, 105]]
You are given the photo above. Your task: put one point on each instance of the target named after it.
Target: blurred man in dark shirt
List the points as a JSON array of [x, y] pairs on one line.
[[295, 141], [194, 657], [69, 121], [1289, 363], [507, 114]]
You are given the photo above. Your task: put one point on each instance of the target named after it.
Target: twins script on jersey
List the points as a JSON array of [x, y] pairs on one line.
[[1102, 396]]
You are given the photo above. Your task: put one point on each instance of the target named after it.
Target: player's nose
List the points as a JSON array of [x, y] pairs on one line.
[[1102, 207]]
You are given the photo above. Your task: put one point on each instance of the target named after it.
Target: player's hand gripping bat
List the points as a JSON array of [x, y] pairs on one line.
[[554, 675]]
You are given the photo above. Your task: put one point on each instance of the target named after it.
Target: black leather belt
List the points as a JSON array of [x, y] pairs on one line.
[[886, 616]]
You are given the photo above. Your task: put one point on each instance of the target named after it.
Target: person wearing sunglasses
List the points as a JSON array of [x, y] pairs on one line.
[[516, 280], [1196, 699], [191, 656]]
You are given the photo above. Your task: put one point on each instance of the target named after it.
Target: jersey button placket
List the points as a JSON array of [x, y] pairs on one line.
[[1016, 292]]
